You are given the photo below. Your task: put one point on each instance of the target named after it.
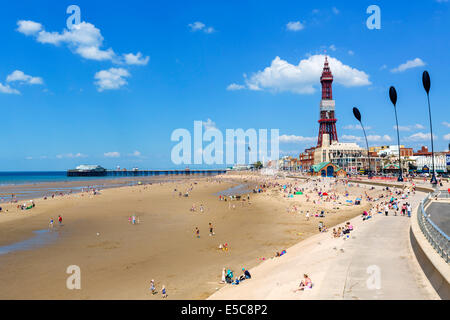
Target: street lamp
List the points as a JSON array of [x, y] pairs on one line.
[[357, 115], [393, 97], [426, 85]]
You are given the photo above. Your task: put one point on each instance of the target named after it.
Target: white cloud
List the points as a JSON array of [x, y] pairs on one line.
[[83, 39], [295, 26], [136, 59], [419, 136], [296, 139], [355, 127], [235, 86], [377, 138], [209, 30], [447, 137], [28, 27], [8, 90], [200, 26], [112, 154], [136, 154], [417, 62], [445, 123], [409, 128], [196, 26], [71, 155], [19, 76], [111, 79], [370, 138], [209, 124], [282, 76]]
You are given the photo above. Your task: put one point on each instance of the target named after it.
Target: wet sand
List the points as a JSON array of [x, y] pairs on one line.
[[120, 262]]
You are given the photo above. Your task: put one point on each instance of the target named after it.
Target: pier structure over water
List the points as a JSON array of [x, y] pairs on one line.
[[143, 173]]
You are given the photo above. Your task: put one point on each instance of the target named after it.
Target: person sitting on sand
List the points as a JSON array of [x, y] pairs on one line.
[[306, 283], [229, 276], [236, 281], [246, 275]]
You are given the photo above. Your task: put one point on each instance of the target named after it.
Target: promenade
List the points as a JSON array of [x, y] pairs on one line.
[[376, 262]]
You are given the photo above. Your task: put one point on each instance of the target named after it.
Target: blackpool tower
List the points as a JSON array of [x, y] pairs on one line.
[[327, 118]]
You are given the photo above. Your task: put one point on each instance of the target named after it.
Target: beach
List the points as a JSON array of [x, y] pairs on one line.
[[118, 259]]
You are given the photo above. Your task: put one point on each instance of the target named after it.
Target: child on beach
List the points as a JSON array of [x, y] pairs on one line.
[[197, 232], [164, 292], [50, 225], [59, 219], [152, 287], [211, 232]]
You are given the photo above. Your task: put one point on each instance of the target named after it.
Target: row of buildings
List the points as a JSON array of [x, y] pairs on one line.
[[349, 157]]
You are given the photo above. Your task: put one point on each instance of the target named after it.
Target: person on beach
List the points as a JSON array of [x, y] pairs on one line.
[[224, 271], [211, 232], [307, 215], [409, 209], [306, 283], [164, 292], [60, 219], [50, 224], [197, 232], [245, 275], [386, 209], [152, 287]]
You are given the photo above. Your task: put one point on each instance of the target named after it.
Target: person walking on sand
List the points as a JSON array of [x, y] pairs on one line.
[[211, 232], [386, 209], [60, 219], [152, 287], [409, 209], [164, 292], [307, 215], [197, 232], [50, 224]]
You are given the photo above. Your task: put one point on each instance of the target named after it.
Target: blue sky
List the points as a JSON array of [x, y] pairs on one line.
[[143, 69]]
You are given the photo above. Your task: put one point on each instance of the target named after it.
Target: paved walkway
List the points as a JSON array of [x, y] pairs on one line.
[[440, 214], [341, 269]]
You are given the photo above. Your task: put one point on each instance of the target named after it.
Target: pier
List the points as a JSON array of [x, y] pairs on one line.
[[144, 173]]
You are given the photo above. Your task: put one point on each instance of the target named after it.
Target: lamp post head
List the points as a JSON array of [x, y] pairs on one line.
[[393, 95], [357, 114], [426, 81]]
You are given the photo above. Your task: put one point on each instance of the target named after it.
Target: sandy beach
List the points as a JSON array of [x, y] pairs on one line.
[[118, 259]]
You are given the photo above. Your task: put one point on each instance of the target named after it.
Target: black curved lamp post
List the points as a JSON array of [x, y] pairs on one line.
[[393, 97], [357, 115], [426, 85]]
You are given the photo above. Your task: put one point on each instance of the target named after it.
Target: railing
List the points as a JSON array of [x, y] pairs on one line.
[[435, 236]]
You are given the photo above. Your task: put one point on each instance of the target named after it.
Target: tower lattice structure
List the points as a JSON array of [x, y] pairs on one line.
[[327, 119]]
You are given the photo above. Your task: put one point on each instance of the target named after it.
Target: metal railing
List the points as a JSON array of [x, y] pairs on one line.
[[435, 236]]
